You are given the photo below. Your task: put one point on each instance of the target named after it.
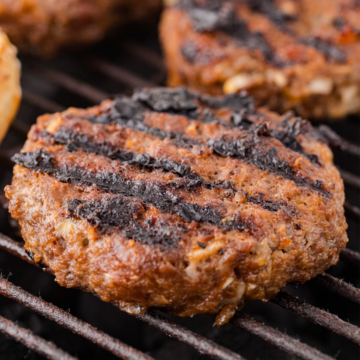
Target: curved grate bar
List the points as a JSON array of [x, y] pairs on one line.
[[32, 341], [277, 338], [70, 322], [318, 316], [200, 343], [339, 287]]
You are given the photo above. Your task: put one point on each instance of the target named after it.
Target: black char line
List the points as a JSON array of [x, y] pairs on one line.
[[158, 195], [211, 17], [76, 142], [119, 212], [129, 114]]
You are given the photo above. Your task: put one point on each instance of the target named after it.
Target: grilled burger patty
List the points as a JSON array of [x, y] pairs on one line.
[[288, 54], [173, 199], [45, 26]]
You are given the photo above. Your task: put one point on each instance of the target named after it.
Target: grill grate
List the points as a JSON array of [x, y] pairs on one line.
[[51, 86]]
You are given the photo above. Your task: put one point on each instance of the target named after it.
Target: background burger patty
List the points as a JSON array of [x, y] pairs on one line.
[[289, 54], [140, 197], [45, 27]]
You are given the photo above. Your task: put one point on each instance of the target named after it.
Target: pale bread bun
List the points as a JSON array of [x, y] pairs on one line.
[[10, 90]]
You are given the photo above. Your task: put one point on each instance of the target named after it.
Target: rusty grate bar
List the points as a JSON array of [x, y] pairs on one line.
[[318, 316], [350, 256], [277, 338], [70, 322], [32, 341], [200, 343], [339, 287]]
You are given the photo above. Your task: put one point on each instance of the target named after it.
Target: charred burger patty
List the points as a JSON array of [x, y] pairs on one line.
[[177, 200], [45, 27]]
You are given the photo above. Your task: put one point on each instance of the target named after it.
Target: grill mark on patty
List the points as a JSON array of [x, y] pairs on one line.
[[269, 9], [153, 193], [126, 113], [130, 114], [268, 161], [344, 27], [208, 17], [329, 50], [216, 17], [119, 212], [260, 198], [193, 55], [76, 142], [163, 100]]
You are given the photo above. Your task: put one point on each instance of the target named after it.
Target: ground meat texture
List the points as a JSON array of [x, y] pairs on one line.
[[45, 27], [301, 55], [139, 197]]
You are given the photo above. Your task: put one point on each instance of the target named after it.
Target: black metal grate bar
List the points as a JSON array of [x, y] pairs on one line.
[[41, 102], [116, 72], [352, 210], [277, 338], [144, 54], [70, 322], [32, 341], [336, 140], [350, 256], [171, 329], [350, 179], [339, 287], [203, 345], [318, 316], [14, 248], [71, 84]]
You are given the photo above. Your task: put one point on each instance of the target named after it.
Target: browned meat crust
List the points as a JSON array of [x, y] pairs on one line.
[[289, 54], [44, 27], [139, 198]]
